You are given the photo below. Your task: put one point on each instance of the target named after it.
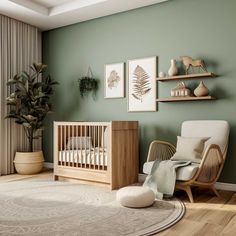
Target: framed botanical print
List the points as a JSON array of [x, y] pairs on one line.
[[142, 84], [114, 81]]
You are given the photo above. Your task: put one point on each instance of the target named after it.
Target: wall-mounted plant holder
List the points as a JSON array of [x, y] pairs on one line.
[[88, 84]]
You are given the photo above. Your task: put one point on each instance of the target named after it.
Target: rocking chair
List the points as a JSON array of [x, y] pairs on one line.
[[208, 171]]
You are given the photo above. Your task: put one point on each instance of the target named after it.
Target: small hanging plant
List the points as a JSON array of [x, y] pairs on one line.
[[88, 84]]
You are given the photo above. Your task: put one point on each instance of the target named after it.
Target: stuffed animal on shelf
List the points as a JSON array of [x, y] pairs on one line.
[[190, 62]]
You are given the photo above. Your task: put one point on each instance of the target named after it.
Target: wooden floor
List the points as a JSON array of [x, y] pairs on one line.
[[209, 215]]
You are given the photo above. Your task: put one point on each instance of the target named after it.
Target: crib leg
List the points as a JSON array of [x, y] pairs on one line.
[[55, 177]]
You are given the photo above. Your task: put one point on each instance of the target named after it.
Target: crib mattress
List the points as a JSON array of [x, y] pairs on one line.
[[82, 156]]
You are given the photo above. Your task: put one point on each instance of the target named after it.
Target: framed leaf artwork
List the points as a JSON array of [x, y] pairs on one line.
[[142, 84], [114, 80]]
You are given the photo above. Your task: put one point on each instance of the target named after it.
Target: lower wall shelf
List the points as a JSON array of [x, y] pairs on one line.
[[179, 99]]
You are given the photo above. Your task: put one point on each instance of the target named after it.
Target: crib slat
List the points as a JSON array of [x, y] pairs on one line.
[[89, 133], [69, 161], [98, 155], [94, 145], [77, 152], [85, 154], [61, 148], [81, 155], [65, 146], [96, 160], [73, 146], [103, 161]]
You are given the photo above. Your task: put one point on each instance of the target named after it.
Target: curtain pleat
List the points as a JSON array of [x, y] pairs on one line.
[[20, 46]]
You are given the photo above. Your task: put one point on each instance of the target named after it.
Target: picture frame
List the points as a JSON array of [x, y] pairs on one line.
[[114, 80], [141, 74]]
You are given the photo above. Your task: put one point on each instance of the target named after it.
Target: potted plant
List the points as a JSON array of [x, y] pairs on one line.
[[29, 103], [88, 84]]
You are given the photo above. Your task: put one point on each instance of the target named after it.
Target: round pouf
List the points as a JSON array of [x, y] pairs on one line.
[[135, 196]]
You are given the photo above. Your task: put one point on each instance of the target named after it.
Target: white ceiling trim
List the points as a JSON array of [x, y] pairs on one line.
[[53, 11], [46, 15], [32, 6], [71, 6]]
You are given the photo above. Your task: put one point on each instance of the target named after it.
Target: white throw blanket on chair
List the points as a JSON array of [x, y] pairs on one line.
[[163, 177]]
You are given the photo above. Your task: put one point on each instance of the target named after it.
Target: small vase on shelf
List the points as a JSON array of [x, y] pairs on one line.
[[162, 74], [201, 90], [173, 70]]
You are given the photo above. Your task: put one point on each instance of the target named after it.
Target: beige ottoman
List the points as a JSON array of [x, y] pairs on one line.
[[135, 196]]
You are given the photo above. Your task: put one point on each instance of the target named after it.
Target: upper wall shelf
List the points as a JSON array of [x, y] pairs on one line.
[[189, 76], [180, 99]]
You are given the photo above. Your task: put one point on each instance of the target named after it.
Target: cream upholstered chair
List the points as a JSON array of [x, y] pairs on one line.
[[208, 171]]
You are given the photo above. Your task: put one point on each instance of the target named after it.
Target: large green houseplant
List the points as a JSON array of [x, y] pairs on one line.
[[29, 103]]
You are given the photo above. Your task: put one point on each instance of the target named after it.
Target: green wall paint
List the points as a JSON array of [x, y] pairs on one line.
[[203, 28]]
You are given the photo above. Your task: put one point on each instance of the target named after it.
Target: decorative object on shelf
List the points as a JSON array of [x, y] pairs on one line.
[[114, 80], [88, 84], [190, 62], [201, 90], [180, 91], [162, 74], [142, 84], [29, 104], [173, 70]]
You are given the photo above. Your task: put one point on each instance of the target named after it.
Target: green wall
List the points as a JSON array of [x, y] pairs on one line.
[[202, 29]]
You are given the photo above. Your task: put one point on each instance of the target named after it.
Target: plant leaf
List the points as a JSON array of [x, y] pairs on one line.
[[141, 84]]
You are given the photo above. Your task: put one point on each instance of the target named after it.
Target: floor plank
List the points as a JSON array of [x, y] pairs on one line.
[[230, 228]]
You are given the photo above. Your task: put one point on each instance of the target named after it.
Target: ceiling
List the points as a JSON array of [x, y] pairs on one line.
[[50, 14]]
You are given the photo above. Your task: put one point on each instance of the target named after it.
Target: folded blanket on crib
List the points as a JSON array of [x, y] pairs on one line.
[[163, 177]]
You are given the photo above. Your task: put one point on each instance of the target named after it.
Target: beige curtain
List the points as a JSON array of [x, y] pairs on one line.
[[20, 46]]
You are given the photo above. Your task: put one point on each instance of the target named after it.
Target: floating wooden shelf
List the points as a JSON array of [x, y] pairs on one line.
[[189, 76], [179, 99]]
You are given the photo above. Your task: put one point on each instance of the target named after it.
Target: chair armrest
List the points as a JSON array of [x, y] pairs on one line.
[[209, 149], [211, 164], [160, 150]]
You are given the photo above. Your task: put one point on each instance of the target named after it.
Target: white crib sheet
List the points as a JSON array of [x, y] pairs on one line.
[[82, 156]]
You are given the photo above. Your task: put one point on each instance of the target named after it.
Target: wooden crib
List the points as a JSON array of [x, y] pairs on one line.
[[103, 152]]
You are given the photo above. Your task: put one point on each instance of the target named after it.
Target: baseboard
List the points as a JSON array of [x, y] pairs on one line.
[[218, 185], [48, 165], [141, 178], [225, 186]]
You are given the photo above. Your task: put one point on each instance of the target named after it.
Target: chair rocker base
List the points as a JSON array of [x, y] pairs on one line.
[[187, 189]]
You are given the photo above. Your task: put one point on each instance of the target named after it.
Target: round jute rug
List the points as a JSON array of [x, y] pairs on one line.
[[62, 208]]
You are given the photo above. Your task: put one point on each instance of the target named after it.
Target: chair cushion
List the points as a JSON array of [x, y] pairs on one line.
[[183, 173], [135, 196]]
